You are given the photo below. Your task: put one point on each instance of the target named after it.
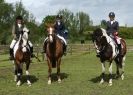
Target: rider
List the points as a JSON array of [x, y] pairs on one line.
[[113, 28], [59, 29], [16, 31]]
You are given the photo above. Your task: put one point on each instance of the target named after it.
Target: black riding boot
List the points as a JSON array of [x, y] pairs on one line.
[[11, 54], [31, 51], [44, 47], [64, 48]]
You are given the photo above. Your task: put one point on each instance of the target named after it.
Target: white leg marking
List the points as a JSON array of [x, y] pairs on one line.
[[59, 80], [49, 81], [123, 65], [27, 73], [110, 71], [18, 83], [103, 71], [110, 82], [102, 81], [28, 82], [15, 78]]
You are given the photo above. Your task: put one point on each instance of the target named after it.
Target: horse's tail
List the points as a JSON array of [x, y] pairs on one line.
[[53, 63], [120, 61]]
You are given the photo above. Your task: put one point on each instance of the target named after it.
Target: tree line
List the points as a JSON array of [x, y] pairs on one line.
[[79, 25]]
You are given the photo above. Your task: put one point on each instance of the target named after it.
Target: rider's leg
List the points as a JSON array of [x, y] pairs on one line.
[[31, 48], [44, 45], [11, 49], [64, 44]]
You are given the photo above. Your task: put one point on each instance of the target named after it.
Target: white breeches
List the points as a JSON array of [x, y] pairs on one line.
[[14, 42], [62, 38]]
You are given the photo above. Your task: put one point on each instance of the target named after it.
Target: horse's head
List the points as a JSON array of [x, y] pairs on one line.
[[25, 36], [23, 39], [99, 37], [51, 32]]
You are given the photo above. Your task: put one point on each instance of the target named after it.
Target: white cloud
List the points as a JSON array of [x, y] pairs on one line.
[[97, 9]]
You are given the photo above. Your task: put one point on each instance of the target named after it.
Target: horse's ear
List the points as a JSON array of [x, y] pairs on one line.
[[46, 24]]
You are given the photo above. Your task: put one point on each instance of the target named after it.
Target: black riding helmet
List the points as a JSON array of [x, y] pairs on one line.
[[111, 14], [59, 16], [19, 18]]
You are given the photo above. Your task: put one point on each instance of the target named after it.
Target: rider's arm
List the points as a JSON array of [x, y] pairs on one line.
[[13, 32]]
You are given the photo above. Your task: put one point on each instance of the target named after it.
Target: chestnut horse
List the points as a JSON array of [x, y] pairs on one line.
[[54, 52], [22, 55]]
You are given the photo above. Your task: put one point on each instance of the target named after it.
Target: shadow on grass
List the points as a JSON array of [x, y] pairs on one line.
[[98, 78], [33, 79], [63, 76]]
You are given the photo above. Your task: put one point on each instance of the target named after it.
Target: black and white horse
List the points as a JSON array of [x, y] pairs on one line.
[[107, 49], [22, 55]]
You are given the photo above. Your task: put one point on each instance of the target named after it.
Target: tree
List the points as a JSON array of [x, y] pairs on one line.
[[20, 10], [83, 21], [6, 15]]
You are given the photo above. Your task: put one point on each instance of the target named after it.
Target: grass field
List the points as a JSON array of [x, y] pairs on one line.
[[80, 76]]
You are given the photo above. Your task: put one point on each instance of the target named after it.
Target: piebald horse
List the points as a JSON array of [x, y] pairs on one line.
[[22, 55], [108, 51], [54, 52]]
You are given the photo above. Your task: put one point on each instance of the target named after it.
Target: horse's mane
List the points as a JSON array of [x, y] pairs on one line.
[[108, 38]]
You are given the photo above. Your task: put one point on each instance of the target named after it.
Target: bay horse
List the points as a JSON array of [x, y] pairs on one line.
[[22, 55], [107, 49], [54, 52]]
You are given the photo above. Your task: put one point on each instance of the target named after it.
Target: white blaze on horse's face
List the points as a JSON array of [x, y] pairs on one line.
[[25, 40], [50, 34]]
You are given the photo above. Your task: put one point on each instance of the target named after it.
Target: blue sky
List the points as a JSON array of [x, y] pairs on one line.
[[97, 9]]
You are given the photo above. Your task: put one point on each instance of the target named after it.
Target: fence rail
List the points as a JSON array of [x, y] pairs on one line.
[[72, 48]]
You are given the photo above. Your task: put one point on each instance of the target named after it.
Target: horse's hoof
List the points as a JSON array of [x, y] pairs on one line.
[[49, 82], [102, 81], [59, 80], [122, 77], [28, 82], [15, 78], [110, 84], [18, 83]]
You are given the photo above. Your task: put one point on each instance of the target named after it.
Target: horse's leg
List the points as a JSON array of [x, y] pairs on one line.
[[117, 68], [58, 70], [19, 69], [103, 73], [49, 70], [15, 72], [110, 75], [123, 65], [27, 73]]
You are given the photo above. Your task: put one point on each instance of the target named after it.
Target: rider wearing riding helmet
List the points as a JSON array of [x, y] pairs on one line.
[[59, 29], [16, 31], [113, 28]]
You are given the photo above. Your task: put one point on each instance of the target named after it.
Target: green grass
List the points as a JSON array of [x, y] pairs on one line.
[[80, 76]]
